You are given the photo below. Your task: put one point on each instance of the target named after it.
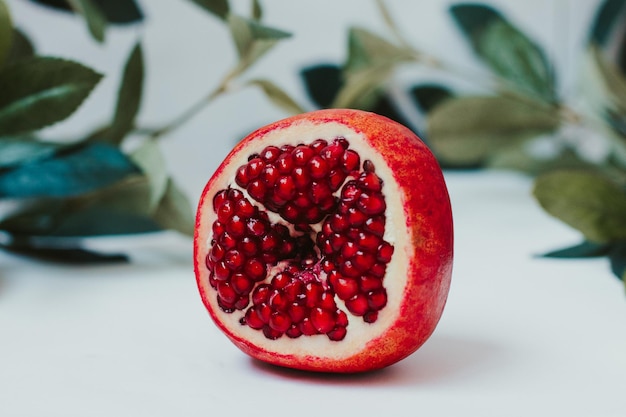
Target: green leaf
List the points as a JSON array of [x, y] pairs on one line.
[[115, 11], [219, 8], [175, 212], [120, 208], [610, 82], [21, 47], [96, 21], [428, 96], [62, 253], [15, 151], [77, 171], [607, 16], [362, 89], [467, 130], [40, 91], [322, 83], [252, 39], [587, 201], [277, 96], [129, 96], [617, 258], [6, 32], [150, 160], [366, 49], [585, 249], [257, 10], [507, 50]]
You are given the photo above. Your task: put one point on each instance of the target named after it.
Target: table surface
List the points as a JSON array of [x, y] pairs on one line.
[[520, 336]]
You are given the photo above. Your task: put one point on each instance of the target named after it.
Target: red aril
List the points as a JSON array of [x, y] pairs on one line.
[[324, 242]]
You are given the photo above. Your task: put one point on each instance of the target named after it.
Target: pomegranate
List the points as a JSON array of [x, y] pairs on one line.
[[323, 242]]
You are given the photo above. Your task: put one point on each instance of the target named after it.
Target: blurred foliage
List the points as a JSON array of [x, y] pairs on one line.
[[575, 147], [61, 191]]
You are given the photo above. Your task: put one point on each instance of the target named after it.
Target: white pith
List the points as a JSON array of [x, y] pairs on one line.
[[396, 233]]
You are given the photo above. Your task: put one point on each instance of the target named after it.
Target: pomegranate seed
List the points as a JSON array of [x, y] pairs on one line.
[[343, 142], [234, 259], [385, 251], [280, 321], [301, 155], [285, 188], [369, 283], [332, 154], [307, 328], [247, 246], [284, 163], [226, 307], [342, 318], [378, 270], [290, 213], [335, 179], [370, 182], [278, 300], [318, 167], [264, 311], [368, 241], [218, 228], [371, 204], [375, 225], [368, 166], [269, 242], [313, 293], [256, 227], [257, 189], [254, 269], [226, 292], [301, 178], [297, 312], [356, 217], [357, 305], [349, 249], [271, 333], [370, 317], [323, 320], [225, 211], [318, 145], [270, 153], [281, 280], [348, 269], [254, 168], [261, 294], [235, 226], [363, 261], [253, 320], [350, 161], [269, 175], [221, 271], [219, 199], [241, 178], [241, 284], [345, 288], [327, 301], [337, 334], [217, 253], [350, 191], [244, 208], [294, 331], [242, 302], [377, 299]]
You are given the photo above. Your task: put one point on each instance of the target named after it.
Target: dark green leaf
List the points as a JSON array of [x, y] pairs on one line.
[[16, 151], [507, 50], [277, 96], [608, 15], [63, 254], [252, 39], [428, 96], [20, 48], [40, 91], [617, 257], [121, 208], [257, 10], [150, 160], [367, 49], [322, 83], [80, 170], [585, 249], [467, 130], [6, 32], [175, 211], [219, 8], [129, 96], [115, 11], [587, 201], [93, 15]]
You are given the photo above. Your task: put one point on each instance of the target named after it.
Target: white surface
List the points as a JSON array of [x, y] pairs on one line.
[[520, 336]]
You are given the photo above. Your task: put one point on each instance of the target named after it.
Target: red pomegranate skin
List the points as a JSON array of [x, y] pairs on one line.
[[428, 218]]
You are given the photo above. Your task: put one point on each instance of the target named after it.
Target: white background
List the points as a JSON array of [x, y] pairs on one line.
[[520, 335]]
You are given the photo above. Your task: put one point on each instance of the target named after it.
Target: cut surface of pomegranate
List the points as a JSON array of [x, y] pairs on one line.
[[324, 242]]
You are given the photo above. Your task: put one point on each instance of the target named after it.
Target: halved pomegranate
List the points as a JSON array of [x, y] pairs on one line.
[[324, 242]]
